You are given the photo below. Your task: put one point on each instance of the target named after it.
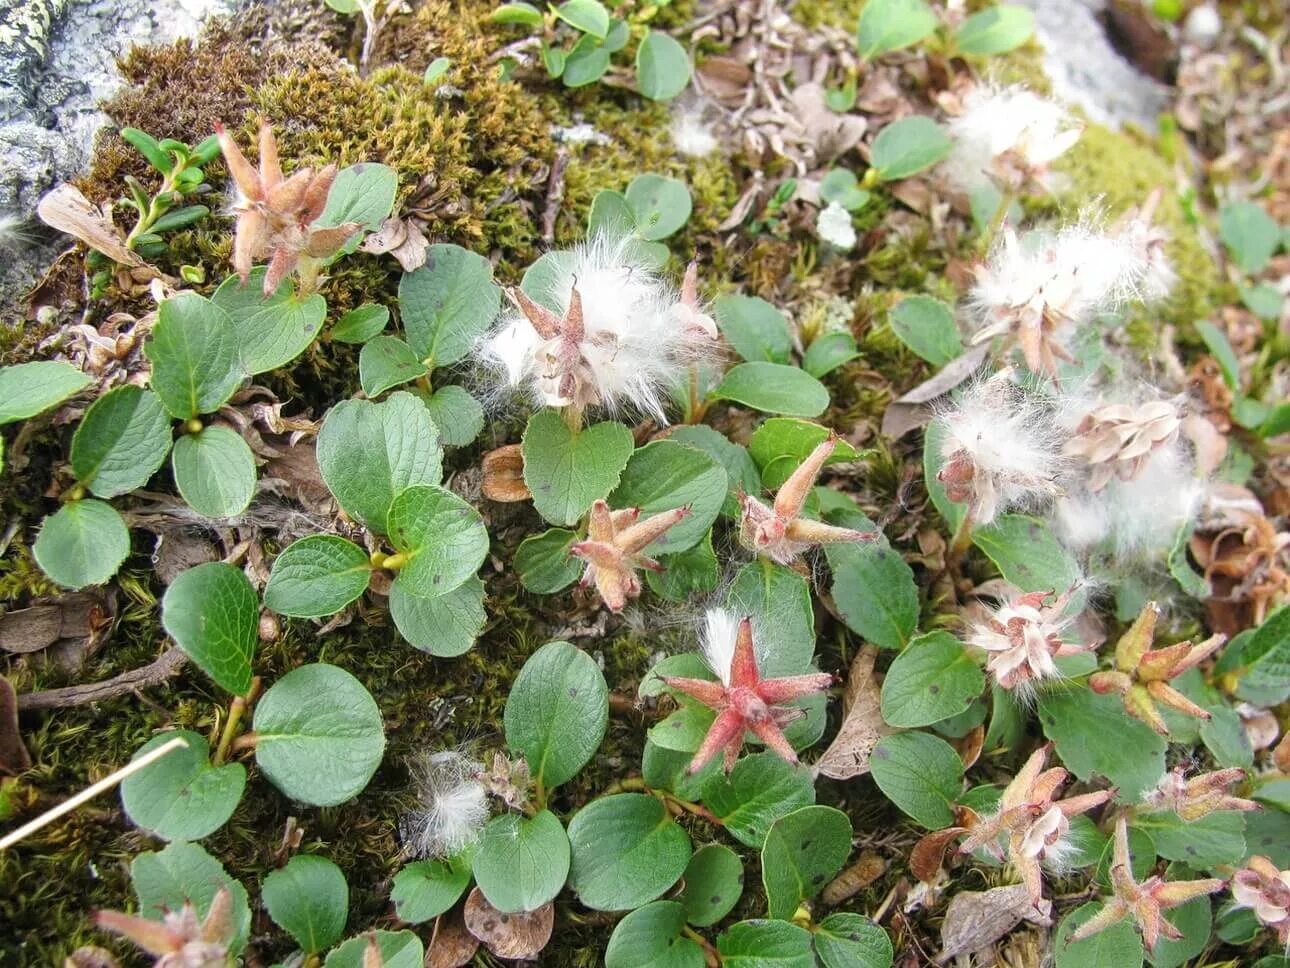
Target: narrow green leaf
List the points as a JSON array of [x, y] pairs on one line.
[[773, 388], [361, 324]]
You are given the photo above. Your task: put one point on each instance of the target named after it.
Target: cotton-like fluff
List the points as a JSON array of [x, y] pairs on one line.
[[617, 339], [1136, 517], [1009, 137], [1001, 449], [1022, 637], [717, 641], [1147, 241], [452, 805], [691, 135], [1037, 290], [833, 225]]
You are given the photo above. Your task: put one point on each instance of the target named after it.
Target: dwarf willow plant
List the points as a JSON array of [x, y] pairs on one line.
[[579, 38]]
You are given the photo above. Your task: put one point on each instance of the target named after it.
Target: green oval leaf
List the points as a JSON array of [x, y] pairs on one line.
[[1263, 664], [687, 573], [995, 30], [214, 471], [759, 790], [121, 441], [829, 351], [385, 362], [650, 937], [212, 614], [713, 879], [399, 949], [757, 330], [766, 944], [566, 473], [664, 475], [361, 324], [369, 452], [589, 16], [921, 774], [164, 881], [873, 587], [83, 543], [781, 444], [1095, 736], [662, 67], [660, 205], [845, 940], [31, 388], [319, 735], [448, 303], [926, 325], [543, 563], [362, 193], [517, 13], [585, 64], [804, 850], [457, 414], [443, 536], [1028, 554], [908, 146], [887, 25], [442, 625], [627, 850], [741, 471], [308, 899], [194, 354], [1207, 842], [520, 863], [426, 888], [182, 796], [1249, 233], [271, 331], [1115, 947], [933, 679], [557, 712], [773, 388], [316, 576]]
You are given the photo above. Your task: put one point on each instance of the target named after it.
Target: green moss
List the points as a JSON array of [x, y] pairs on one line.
[[1119, 170]]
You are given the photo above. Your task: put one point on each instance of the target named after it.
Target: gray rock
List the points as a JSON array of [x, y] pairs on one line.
[[57, 63], [1086, 71]]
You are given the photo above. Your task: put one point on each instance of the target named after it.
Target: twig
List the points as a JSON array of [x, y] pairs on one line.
[[90, 792], [166, 665], [554, 195]]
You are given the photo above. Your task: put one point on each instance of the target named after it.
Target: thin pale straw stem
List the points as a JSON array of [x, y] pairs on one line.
[[90, 792]]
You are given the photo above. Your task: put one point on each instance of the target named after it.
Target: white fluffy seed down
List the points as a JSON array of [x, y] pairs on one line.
[[1001, 449], [635, 344], [1007, 136], [834, 226], [452, 805], [717, 641]]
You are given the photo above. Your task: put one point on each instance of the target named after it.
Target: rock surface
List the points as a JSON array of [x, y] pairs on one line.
[[57, 62], [1086, 70]]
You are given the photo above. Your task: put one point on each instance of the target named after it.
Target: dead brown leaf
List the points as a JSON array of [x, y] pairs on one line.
[[862, 723], [976, 919], [178, 550], [912, 411], [14, 757], [401, 238], [452, 945], [504, 475], [855, 878], [67, 210], [928, 855], [30, 629], [509, 935]]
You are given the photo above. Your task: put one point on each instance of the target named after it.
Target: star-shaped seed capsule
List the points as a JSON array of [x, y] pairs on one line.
[[180, 940], [1035, 823], [564, 373], [1144, 902], [613, 547], [780, 532], [688, 310], [1199, 796], [276, 215], [743, 700], [1141, 674]]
